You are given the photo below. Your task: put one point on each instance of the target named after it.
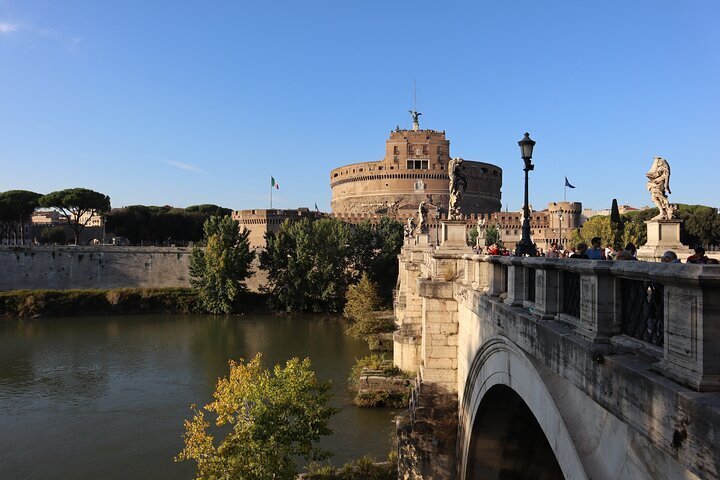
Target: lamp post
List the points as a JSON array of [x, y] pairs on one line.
[[525, 246]]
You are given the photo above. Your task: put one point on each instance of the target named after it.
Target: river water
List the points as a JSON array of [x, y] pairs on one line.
[[105, 397]]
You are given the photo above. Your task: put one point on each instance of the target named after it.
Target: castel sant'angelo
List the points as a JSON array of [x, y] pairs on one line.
[[413, 170]]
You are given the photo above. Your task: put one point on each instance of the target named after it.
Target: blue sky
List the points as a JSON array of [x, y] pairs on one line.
[[180, 103]]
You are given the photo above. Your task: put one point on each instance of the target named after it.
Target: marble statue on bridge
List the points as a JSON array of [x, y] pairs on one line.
[[458, 183], [422, 226], [659, 187]]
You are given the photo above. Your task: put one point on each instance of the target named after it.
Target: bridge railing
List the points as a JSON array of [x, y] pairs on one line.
[[671, 311]]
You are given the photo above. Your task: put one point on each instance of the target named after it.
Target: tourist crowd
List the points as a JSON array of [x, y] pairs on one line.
[[596, 252]]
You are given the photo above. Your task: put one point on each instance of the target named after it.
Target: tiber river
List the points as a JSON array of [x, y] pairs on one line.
[[105, 397]]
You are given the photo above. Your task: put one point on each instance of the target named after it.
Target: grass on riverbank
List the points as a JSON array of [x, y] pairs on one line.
[[54, 303], [366, 468], [392, 391]]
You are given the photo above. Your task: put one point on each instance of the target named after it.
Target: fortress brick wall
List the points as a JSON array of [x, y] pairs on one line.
[[64, 267], [414, 169]]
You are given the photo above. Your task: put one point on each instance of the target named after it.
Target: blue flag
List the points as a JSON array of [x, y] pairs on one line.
[[567, 184]]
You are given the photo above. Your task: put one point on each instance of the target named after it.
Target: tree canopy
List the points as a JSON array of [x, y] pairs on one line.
[[307, 263], [143, 223], [492, 235], [209, 210], [271, 418], [16, 208], [597, 226], [219, 269], [76, 203], [374, 249], [701, 225]]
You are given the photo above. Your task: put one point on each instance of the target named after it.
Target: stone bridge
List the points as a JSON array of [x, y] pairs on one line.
[[555, 368]]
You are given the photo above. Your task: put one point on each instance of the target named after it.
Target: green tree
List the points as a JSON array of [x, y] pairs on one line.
[[388, 242], [374, 249], [363, 245], [617, 226], [209, 209], [615, 212], [361, 298], [218, 271], [272, 417], [53, 235], [363, 310], [143, 223], [78, 205], [472, 236], [16, 208], [597, 226], [307, 264], [635, 232], [492, 235], [702, 224]]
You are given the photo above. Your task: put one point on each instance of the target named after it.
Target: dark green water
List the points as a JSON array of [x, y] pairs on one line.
[[105, 397]]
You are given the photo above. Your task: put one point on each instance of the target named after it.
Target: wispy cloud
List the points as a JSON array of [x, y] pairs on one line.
[[7, 28], [184, 166], [34, 34]]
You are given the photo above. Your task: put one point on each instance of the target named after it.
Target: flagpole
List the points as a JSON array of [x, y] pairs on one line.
[[271, 189]]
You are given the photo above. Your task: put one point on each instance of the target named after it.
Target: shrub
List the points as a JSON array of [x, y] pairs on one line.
[[30, 303]]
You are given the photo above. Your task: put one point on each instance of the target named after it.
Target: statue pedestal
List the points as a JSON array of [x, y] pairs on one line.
[[422, 239], [662, 235], [454, 233]]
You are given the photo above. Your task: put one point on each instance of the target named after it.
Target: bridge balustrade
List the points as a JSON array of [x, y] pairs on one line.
[[643, 310], [671, 311], [571, 293]]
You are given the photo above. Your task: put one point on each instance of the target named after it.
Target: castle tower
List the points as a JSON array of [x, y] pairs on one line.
[[571, 215], [413, 170]]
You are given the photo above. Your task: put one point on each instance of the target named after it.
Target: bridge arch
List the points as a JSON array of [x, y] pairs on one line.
[[501, 379]]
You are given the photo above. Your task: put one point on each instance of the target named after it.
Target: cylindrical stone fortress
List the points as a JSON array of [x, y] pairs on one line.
[[414, 170]]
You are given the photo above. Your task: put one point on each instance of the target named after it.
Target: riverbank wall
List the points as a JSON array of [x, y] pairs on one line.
[[93, 267]]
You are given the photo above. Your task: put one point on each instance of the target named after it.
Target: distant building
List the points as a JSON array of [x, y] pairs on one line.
[[48, 218], [92, 233], [555, 224], [261, 221], [623, 209]]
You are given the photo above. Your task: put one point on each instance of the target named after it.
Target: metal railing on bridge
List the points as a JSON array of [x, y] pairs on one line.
[[660, 306]]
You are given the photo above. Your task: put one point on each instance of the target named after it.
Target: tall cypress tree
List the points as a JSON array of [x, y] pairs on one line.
[[616, 224]]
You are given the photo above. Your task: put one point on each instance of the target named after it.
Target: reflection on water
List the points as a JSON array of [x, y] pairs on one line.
[[105, 397]]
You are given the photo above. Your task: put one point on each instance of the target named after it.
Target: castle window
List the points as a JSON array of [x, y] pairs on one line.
[[396, 150], [417, 164], [495, 173], [380, 168]]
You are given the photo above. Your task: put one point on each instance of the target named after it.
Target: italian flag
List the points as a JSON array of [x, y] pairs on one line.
[[273, 183]]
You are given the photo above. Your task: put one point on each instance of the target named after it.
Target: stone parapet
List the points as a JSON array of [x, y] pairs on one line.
[[640, 340]]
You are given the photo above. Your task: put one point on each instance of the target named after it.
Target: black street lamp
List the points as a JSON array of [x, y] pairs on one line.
[[525, 246]]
